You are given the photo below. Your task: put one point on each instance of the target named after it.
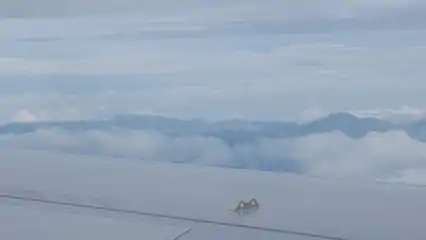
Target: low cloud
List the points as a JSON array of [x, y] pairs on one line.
[[30, 107], [378, 155], [391, 156]]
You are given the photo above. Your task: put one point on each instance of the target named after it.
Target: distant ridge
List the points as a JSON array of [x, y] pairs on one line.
[[231, 131]]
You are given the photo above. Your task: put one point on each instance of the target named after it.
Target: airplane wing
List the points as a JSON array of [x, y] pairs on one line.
[[59, 196]]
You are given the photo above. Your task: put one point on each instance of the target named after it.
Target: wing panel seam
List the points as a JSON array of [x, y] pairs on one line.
[[166, 216]]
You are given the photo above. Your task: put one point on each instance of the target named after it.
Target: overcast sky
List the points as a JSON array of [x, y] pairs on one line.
[[274, 60], [249, 59]]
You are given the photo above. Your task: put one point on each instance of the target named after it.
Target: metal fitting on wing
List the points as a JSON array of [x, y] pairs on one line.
[[246, 207]]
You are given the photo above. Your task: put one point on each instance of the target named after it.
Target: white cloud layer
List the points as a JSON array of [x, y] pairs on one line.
[[390, 156]]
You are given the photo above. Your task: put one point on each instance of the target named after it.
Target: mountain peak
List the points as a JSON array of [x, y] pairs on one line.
[[347, 123], [341, 116]]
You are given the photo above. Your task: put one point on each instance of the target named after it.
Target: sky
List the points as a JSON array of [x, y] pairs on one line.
[[247, 59], [263, 60]]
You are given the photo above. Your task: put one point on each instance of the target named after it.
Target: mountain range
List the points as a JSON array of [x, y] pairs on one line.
[[231, 131]]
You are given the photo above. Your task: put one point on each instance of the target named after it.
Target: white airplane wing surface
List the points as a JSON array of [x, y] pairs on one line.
[[78, 197]]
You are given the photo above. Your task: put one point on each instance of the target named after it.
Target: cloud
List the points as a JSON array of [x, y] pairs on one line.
[[391, 156], [398, 114], [73, 60], [27, 106], [207, 61], [203, 63], [10, 66], [321, 64], [379, 156], [24, 116], [311, 114], [188, 17], [149, 146], [273, 83]]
